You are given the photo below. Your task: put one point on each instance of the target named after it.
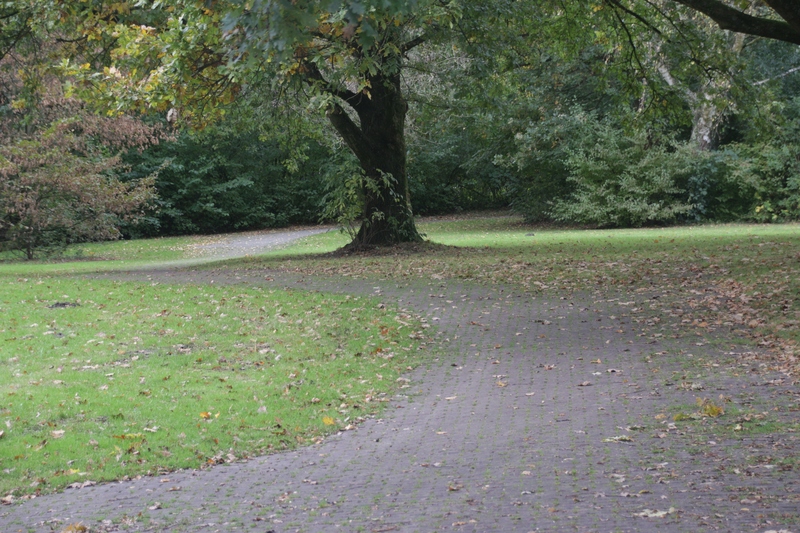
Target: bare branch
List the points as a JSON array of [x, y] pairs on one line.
[[779, 76]]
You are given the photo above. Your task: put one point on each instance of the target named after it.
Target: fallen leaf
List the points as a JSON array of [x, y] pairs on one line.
[[501, 383], [597, 362], [620, 438], [205, 415], [585, 384], [83, 485], [451, 397], [57, 434], [75, 528], [328, 421], [649, 513], [155, 506], [529, 393]]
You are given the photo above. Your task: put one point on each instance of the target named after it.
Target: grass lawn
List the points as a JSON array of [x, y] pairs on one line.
[[106, 379]]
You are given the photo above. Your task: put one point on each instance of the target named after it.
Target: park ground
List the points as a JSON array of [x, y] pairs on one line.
[[501, 378]]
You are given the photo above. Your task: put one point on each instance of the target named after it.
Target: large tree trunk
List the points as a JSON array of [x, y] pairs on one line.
[[378, 141]]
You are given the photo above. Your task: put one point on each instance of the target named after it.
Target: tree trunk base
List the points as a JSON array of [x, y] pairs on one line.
[[384, 231]]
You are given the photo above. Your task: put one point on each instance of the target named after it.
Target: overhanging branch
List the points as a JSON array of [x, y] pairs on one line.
[[729, 18], [351, 133], [413, 43]]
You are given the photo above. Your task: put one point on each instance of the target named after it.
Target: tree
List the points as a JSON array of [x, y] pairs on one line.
[[346, 60], [55, 188], [779, 21]]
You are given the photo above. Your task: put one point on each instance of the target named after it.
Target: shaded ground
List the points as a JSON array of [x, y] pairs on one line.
[[542, 413]]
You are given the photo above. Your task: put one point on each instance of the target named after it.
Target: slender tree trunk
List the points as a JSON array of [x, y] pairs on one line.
[[707, 118], [378, 141]]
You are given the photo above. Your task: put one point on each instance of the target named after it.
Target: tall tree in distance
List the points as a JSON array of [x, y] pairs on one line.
[[345, 59]]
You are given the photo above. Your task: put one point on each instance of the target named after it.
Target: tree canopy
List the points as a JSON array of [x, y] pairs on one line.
[[368, 67]]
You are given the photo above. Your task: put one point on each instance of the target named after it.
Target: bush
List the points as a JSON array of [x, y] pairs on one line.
[[769, 177], [217, 181], [627, 180], [454, 174], [56, 188], [577, 168], [539, 163]]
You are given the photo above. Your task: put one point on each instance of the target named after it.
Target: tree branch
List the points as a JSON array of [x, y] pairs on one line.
[[779, 76], [352, 135], [314, 74], [616, 3], [413, 43], [729, 18], [789, 10]]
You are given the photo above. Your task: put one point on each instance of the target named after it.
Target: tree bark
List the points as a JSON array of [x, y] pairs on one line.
[[378, 141], [730, 18]]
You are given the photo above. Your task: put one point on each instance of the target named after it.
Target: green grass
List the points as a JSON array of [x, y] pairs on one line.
[[143, 378], [106, 379]]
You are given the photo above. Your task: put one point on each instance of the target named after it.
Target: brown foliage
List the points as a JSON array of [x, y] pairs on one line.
[[56, 160], [55, 186]]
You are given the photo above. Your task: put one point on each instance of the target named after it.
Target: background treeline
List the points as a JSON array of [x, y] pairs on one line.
[[602, 118], [557, 140]]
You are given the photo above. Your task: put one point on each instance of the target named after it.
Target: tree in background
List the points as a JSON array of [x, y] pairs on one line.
[[56, 184], [56, 188], [358, 63], [346, 61]]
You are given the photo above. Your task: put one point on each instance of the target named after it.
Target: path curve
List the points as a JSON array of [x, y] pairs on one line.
[[233, 245], [538, 414]]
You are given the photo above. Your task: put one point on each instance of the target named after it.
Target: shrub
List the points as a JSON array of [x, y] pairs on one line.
[[217, 181], [56, 188], [626, 181]]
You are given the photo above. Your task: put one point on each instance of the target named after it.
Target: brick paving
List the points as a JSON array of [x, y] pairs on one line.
[[511, 425]]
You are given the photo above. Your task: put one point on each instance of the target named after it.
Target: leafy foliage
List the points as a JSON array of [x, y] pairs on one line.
[[56, 188], [625, 181], [222, 180]]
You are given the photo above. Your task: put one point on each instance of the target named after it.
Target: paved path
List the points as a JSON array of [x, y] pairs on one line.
[[252, 242], [511, 427]]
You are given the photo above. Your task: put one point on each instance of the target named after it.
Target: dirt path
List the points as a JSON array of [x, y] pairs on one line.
[[537, 414]]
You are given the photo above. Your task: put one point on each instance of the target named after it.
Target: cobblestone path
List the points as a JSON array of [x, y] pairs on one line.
[[533, 413]]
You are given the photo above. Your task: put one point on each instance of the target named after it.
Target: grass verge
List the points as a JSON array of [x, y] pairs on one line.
[[103, 379]]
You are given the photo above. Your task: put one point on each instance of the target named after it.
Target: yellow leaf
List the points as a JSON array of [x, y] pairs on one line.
[[328, 421], [205, 415]]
